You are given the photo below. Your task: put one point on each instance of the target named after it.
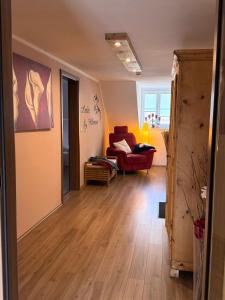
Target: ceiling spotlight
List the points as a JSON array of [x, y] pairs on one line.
[[117, 44], [124, 50]]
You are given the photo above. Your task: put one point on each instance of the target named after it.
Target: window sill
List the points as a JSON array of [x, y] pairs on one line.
[[157, 129]]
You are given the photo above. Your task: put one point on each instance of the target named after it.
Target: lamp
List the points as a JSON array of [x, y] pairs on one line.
[[122, 46], [145, 132]]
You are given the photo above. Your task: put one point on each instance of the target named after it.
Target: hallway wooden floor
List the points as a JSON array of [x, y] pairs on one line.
[[104, 243]]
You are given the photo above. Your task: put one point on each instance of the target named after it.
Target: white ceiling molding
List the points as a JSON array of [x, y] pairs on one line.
[[59, 60]]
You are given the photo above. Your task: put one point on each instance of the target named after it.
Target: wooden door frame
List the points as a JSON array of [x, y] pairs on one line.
[[212, 144], [7, 153], [74, 132]]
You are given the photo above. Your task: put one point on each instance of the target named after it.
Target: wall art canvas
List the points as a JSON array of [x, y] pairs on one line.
[[32, 95]]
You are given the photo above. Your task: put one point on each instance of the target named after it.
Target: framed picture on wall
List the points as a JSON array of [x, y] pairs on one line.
[[32, 95]]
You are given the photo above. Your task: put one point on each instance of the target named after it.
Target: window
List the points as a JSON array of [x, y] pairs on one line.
[[155, 108]]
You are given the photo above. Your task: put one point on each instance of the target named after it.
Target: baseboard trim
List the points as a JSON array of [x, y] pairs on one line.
[[38, 223]]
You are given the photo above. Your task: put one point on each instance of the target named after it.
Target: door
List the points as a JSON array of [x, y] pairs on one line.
[[70, 133], [65, 127], [8, 246]]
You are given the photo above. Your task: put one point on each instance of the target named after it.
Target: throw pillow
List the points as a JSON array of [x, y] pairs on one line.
[[123, 146]]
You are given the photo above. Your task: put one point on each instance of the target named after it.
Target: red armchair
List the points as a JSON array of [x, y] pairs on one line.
[[129, 162]]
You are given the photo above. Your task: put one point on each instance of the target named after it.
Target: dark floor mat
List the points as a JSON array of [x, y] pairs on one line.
[[162, 209]]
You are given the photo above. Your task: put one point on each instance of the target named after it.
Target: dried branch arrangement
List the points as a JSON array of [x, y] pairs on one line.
[[196, 209]]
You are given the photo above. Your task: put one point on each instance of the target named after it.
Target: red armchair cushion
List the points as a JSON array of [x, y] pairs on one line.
[[136, 158]]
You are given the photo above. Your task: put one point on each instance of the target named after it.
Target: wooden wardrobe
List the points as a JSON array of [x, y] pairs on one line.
[[188, 139]]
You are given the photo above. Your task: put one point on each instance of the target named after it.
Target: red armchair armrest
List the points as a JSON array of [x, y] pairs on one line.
[[147, 152], [121, 156]]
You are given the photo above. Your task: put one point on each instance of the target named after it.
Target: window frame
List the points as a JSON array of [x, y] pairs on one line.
[[158, 92]]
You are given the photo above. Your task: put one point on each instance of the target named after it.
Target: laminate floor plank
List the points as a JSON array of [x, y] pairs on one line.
[[104, 243]]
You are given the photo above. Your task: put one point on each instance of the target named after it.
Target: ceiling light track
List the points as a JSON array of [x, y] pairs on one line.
[[122, 46]]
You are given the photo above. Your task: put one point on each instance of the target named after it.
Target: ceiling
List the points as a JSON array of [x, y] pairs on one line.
[[73, 30]]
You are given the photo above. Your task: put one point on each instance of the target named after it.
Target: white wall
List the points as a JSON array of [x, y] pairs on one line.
[[156, 139], [38, 154], [120, 99]]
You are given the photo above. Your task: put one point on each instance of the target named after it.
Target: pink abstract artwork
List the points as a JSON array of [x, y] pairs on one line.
[[32, 96]]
